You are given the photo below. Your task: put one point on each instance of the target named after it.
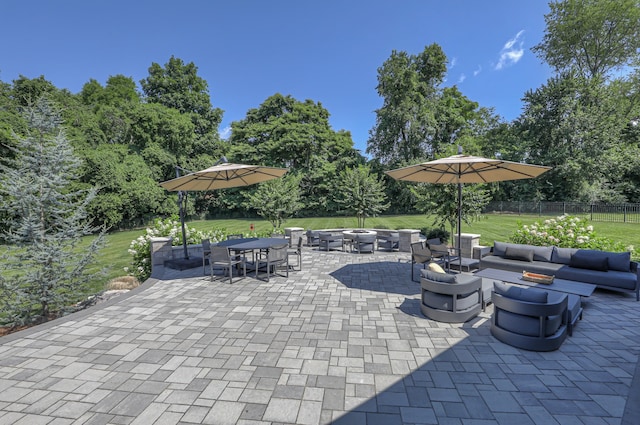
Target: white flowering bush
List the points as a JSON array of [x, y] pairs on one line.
[[140, 248], [566, 231]]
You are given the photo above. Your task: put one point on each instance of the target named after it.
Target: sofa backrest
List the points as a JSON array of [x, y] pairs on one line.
[[540, 253]]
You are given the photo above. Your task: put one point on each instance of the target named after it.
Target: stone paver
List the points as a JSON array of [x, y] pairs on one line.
[[343, 341]]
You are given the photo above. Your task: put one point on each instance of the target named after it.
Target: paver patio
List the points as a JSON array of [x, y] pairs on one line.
[[341, 342]]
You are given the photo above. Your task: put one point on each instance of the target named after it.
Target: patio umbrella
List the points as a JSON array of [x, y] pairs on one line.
[[223, 175], [459, 169]]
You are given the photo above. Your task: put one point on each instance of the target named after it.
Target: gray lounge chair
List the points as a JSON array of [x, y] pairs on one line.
[[450, 298], [528, 318]]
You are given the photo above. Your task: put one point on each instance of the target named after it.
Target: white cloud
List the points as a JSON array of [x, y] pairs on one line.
[[225, 133], [454, 61], [512, 52], [477, 71], [462, 78]]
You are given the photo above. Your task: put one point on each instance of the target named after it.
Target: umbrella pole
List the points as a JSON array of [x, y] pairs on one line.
[[460, 226], [184, 232]]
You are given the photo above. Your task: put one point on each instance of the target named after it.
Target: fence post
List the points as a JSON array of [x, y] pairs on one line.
[[591, 213], [624, 220]]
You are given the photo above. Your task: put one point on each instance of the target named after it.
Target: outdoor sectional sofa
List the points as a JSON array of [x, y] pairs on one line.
[[608, 270]]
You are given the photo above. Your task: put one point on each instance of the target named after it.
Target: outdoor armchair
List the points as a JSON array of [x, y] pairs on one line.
[[529, 318], [389, 242], [450, 298], [329, 241], [442, 252], [364, 243], [313, 238], [420, 254]]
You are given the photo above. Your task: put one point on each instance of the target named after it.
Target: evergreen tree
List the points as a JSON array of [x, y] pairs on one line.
[[46, 271]]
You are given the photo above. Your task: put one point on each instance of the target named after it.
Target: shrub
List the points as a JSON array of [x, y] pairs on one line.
[[434, 233], [140, 248], [566, 231]]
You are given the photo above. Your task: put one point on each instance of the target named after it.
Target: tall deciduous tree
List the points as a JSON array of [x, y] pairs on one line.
[[178, 86], [360, 192], [592, 37], [406, 124], [286, 132], [48, 270], [572, 124]]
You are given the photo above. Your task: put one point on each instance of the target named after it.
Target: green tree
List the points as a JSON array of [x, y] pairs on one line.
[[360, 192], [48, 271], [592, 37], [178, 86], [406, 124], [441, 201], [573, 125], [286, 132], [276, 200]]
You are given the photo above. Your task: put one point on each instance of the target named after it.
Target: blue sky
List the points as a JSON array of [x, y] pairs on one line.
[[328, 51]]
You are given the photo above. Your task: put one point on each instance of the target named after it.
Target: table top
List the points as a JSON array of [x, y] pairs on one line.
[[359, 232], [253, 243], [558, 285]]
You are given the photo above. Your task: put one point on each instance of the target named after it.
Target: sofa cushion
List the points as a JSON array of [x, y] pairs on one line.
[[589, 259], [527, 325], [562, 255], [518, 253], [521, 294], [620, 261], [438, 277], [540, 253], [610, 279]]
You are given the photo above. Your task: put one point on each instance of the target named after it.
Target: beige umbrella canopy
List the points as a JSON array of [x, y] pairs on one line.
[[223, 175], [466, 169]]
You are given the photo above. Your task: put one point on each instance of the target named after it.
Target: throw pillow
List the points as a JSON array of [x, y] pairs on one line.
[[438, 277], [521, 294], [562, 255], [590, 260], [435, 267], [620, 261], [521, 254]]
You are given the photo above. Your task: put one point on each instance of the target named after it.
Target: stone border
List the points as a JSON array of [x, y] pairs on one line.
[[78, 314]]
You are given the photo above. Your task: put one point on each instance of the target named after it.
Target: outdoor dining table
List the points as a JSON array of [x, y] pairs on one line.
[[243, 245], [253, 244]]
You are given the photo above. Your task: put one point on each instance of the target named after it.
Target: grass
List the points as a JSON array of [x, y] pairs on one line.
[[491, 227]]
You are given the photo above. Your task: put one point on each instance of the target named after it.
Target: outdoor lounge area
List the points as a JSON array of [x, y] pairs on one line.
[[343, 341]]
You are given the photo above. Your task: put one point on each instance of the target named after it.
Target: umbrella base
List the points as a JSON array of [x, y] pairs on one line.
[[184, 263]]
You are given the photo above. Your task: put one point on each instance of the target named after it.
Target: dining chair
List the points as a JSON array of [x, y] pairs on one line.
[[221, 257], [206, 251], [297, 251], [275, 257]]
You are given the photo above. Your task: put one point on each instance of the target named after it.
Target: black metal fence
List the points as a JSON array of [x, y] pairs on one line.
[[622, 213]]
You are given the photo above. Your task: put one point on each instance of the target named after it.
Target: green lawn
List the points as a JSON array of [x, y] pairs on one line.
[[491, 227]]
